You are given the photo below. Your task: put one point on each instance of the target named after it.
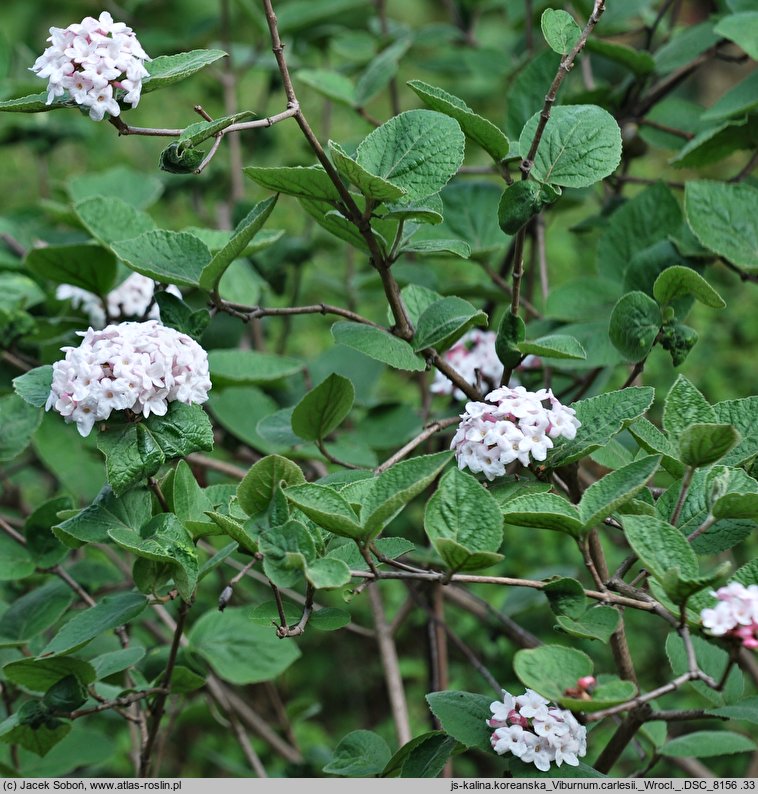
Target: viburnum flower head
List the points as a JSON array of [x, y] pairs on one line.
[[474, 358], [513, 424], [535, 731], [735, 614], [92, 60], [131, 298], [137, 366]]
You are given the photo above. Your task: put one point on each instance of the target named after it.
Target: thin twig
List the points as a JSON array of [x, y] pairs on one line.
[[427, 432]]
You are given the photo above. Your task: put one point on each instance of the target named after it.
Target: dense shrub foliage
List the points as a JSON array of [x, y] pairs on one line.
[[397, 321]]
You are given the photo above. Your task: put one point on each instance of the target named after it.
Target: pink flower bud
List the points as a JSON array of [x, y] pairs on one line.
[[516, 719], [586, 682]]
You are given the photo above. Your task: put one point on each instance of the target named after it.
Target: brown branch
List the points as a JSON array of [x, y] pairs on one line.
[[621, 738], [117, 703], [427, 432], [216, 465], [332, 459], [299, 627]]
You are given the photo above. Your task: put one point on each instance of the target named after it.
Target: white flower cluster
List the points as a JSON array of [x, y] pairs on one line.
[[132, 298], [473, 357], [530, 728], [735, 615], [139, 366], [512, 425], [91, 60]]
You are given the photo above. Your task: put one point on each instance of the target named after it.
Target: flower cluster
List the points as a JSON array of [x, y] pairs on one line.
[[735, 615], [132, 298], [137, 366], [91, 60], [536, 732], [512, 425], [474, 358]]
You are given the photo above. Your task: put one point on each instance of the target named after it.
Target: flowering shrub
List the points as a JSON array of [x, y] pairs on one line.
[[256, 432], [91, 61]]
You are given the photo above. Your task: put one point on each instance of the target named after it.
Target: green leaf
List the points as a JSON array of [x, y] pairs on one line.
[[736, 102], [110, 219], [544, 511], [550, 670], [703, 444], [19, 420], [38, 675], [380, 71], [175, 313], [736, 505], [705, 744], [372, 187], [184, 429], [327, 508], [20, 292], [130, 511], [111, 612], [170, 257], [635, 322], [463, 517], [712, 660], [444, 322], [169, 69], [685, 406], [309, 183], [422, 757], [359, 754], [598, 623], [559, 346], [722, 217], [15, 561], [378, 344], [677, 281], [243, 234], [33, 728], [462, 715], [34, 612], [87, 266], [238, 651], [560, 30], [437, 247], [68, 694], [660, 546], [746, 711], [581, 145], [259, 485], [742, 29], [526, 95], [714, 144], [743, 415], [324, 408], [108, 664], [566, 597], [510, 334], [333, 85], [33, 387], [396, 486], [602, 417], [250, 366], [520, 202], [31, 103], [475, 127], [134, 187], [648, 218], [418, 150], [164, 540], [636, 60], [604, 496]]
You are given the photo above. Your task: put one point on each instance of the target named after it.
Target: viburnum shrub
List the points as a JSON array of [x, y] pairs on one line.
[[274, 370]]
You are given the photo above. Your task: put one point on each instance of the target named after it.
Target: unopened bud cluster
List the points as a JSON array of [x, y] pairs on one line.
[[735, 614], [91, 61], [137, 366], [132, 298], [530, 728], [474, 358], [513, 424]]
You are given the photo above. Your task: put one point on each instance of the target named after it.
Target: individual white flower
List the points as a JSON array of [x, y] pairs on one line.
[[91, 60], [132, 299], [137, 366], [500, 710], [512, 739], [532, 705], [513, 424]]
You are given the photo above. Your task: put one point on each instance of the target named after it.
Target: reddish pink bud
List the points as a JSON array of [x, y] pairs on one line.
[[586, 683], [516, 719]]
